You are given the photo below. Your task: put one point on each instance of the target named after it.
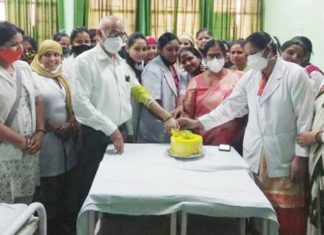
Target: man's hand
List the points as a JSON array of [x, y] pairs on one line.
[[187, 123], [298, 168], [118, 141]]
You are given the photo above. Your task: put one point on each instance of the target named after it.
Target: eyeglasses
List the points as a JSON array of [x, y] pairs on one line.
[[114, 33]]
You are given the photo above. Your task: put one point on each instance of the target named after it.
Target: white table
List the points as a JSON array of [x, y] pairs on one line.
[[218, 184]]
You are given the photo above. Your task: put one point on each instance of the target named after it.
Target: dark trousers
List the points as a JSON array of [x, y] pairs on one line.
[[94, 144], [58, 195]]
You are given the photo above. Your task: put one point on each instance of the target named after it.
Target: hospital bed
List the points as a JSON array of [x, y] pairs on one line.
[[20, 219]]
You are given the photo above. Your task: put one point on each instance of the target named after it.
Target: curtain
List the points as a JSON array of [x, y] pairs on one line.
[[46, 19], [206, 14], [60, 15], [124, 9], [81, 12], [174, 16], [231, 19], [143, 17], [19, 12]]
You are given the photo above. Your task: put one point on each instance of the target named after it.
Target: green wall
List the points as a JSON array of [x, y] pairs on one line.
[[288, 18]]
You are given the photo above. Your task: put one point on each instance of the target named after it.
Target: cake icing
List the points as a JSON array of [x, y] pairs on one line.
[[185, 144]]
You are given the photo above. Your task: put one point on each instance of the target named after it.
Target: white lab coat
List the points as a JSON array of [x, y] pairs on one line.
[[275, 118], [158, 80]]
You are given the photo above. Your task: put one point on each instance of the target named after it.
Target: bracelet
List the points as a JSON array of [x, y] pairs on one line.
[[41, 130], [167, 118], [318, 137]]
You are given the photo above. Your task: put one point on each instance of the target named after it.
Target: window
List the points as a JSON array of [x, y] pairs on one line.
[[2, 10], [124, 9], [174, 16]]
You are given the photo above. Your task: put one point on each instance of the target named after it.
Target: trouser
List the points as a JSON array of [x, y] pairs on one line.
[[58, 195], [94, 145]]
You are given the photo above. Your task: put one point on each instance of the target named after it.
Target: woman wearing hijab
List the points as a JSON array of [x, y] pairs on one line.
[[57, 155]]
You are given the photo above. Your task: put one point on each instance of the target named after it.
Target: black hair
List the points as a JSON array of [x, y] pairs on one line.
[[212, 43], [240, 42], [291, 42], [8, 31], [78, 30], [58, 35], [307, 43], [193, 50], [27, 38], [261, 39], [133, 37], [227, 43], [165, 39], [204, 30]]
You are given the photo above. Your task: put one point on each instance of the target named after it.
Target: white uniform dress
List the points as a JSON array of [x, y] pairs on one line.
[[18, 177]]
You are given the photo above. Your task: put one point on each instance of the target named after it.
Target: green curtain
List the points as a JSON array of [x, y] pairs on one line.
[[60, 15], [143, 17], [206, 14], [81, 10], [46, 21], [19, 12]]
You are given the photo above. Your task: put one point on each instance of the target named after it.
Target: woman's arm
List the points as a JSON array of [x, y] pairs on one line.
[[37, 138], [168, 119], [8, 135]]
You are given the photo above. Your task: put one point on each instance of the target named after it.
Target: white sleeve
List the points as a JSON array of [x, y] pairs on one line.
[[85, 112], [236, 105], [151, 79], [302, 97]]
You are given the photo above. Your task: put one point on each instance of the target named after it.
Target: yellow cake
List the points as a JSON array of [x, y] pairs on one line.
[[185, 144]]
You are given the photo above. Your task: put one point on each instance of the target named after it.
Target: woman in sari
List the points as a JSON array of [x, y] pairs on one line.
[[207, 90], [315, 139]]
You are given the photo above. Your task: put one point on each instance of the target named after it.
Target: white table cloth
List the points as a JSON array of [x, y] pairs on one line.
[[144, 180]]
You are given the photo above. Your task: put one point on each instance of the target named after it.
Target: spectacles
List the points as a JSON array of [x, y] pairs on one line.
[[114, 33]]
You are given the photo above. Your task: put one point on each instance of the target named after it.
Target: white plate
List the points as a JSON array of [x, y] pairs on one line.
[[171, 154]]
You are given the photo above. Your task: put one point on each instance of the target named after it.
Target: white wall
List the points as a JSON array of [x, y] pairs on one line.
[[68, 14], [288, 18]]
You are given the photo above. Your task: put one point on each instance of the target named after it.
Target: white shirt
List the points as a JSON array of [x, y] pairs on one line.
[[101, 90], [67, 66], [275, 118]]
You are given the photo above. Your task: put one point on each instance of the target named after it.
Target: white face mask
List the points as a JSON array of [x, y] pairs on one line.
[[215, 65], [257, 62], [58, 68], [113, 45]]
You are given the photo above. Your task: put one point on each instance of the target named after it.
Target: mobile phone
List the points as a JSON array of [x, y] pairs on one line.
[[224, 147]]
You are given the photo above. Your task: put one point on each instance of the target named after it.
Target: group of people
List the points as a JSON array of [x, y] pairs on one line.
[[61, 110]]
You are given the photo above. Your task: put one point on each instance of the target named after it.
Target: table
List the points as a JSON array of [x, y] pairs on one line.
[[218, 184]]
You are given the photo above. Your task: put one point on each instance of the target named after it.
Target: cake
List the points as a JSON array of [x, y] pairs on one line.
[[185, 144]]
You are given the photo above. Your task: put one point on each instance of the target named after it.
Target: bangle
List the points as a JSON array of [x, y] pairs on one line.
[[41, 130], [318, 137], [167, 118]]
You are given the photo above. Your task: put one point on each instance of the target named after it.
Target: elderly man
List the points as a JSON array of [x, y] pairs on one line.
[[101, 91]]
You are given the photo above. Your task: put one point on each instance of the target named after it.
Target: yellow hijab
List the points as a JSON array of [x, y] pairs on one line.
[[52, 46]]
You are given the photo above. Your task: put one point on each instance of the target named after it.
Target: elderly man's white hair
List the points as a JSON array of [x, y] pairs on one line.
[[109, 20]]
